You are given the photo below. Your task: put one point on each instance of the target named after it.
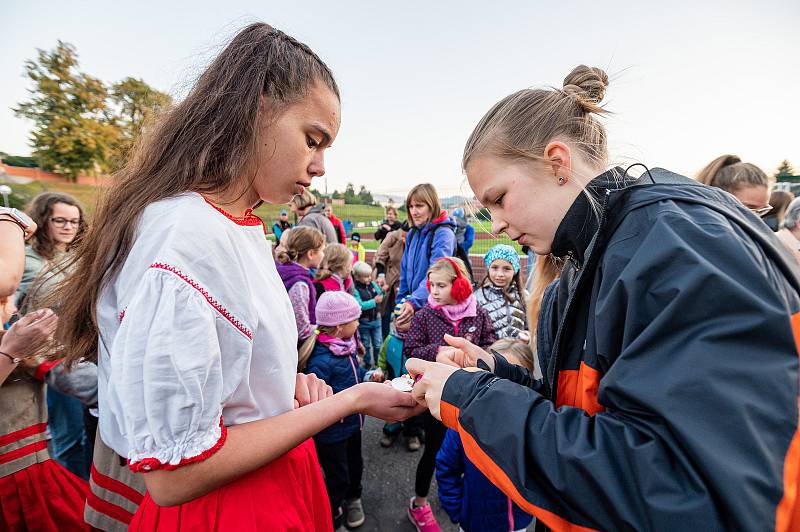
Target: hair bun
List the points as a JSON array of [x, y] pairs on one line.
[[588, 86]]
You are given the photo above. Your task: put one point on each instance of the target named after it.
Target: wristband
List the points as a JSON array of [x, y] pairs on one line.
[[11, 220], [14, 360]]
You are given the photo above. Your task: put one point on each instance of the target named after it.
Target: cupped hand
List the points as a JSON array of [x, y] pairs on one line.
[[384, 402], [427, 390], [310, 389], [31, 335]]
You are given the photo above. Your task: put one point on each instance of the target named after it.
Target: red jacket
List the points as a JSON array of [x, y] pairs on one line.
[[338, 226]]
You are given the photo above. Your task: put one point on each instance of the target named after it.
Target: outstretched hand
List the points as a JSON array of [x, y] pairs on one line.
[[462, 353], [428, 389], [384, 402]]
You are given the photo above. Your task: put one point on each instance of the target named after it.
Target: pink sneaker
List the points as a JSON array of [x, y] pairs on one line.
[[422, 518]]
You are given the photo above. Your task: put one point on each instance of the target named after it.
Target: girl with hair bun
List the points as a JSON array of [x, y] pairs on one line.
[[747, 182], [669, 400]]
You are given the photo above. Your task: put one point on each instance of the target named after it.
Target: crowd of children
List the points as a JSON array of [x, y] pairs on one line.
[[337, 299]]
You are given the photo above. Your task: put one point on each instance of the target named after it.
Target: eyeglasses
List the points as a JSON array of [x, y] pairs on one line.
[[62, 222], [761, 212]]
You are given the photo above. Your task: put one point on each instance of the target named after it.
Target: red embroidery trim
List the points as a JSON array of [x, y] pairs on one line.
[[151, 464], [249, 219], [122, 314], [213, 302]]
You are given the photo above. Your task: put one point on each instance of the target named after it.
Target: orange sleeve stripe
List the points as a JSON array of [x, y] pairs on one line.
[[498, 477], [787, 515], [578, 388]]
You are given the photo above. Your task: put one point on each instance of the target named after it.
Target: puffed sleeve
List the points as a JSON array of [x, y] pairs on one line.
[[165, 387]]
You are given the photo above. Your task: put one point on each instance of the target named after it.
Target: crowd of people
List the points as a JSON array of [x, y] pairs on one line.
[[184, 374]]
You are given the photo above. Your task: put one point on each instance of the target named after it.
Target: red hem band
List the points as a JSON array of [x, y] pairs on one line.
[[152, 464]]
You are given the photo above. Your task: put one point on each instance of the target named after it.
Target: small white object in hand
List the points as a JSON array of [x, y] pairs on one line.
[[403, 383]]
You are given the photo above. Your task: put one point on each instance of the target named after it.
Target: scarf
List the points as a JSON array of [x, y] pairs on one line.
[[466, 309], [338, 346]]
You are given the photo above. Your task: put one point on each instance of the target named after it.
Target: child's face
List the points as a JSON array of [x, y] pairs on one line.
[[441, 288], [501, 273], [364, 279], [347, 330], [346, 270], [315, 257]]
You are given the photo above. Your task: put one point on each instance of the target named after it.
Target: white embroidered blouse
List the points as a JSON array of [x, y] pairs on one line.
[[196, 333]]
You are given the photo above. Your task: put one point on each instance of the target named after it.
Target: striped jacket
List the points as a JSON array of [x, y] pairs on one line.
[[670, 398]]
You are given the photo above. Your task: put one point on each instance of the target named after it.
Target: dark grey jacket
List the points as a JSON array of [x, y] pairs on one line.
[[670, 397]]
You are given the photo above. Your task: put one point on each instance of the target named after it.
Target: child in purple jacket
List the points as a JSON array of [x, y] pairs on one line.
[[451, 309]]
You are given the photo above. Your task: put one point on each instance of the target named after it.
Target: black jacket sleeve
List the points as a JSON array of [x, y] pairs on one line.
[[700, 391]]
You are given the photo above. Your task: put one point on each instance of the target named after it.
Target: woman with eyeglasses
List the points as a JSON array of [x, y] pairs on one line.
[[61, 221], [746, 181]]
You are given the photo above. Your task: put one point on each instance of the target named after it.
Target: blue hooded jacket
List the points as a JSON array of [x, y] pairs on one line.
[[420, 253], [467, 495]]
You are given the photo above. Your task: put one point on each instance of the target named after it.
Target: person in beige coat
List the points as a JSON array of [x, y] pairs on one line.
[[387, 266]]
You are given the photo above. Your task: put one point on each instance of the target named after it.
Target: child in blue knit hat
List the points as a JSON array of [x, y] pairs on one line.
[[502, 295]]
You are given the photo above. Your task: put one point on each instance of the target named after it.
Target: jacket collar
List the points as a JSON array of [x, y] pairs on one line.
[[582, 220]]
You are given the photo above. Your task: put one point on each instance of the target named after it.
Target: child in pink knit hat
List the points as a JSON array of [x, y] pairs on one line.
[[339, 446]]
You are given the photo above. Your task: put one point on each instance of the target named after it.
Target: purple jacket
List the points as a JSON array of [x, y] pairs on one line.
[[292, 273], [429, 326]]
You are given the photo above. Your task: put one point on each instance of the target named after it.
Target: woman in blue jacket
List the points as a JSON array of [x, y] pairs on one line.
[[670, 398], [432, 236]]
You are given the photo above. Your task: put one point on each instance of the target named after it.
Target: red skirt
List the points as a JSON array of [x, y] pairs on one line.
[[286, 494], [43, 496]]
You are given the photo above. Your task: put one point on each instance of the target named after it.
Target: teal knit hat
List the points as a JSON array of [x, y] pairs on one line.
[[505, 252]]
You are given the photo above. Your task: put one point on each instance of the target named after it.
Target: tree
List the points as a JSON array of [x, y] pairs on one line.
[[365, 196], [71, 132], [784, 170], [136, 104], [350, 196]]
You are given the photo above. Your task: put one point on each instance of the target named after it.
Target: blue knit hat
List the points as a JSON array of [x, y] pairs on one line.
[[505, 252]]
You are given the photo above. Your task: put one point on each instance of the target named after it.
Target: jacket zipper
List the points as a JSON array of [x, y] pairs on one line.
[[580, 269]]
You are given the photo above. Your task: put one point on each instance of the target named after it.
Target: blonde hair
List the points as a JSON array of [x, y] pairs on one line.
[[425, 193], [391, 209], [444, 266], [304, 200], [337, 259], [299, 242], [729, 173], [548, 269], [522, 124], [362, 269], [513, 347]]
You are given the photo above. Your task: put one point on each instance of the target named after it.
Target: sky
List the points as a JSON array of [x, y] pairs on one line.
[[689, 80]]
